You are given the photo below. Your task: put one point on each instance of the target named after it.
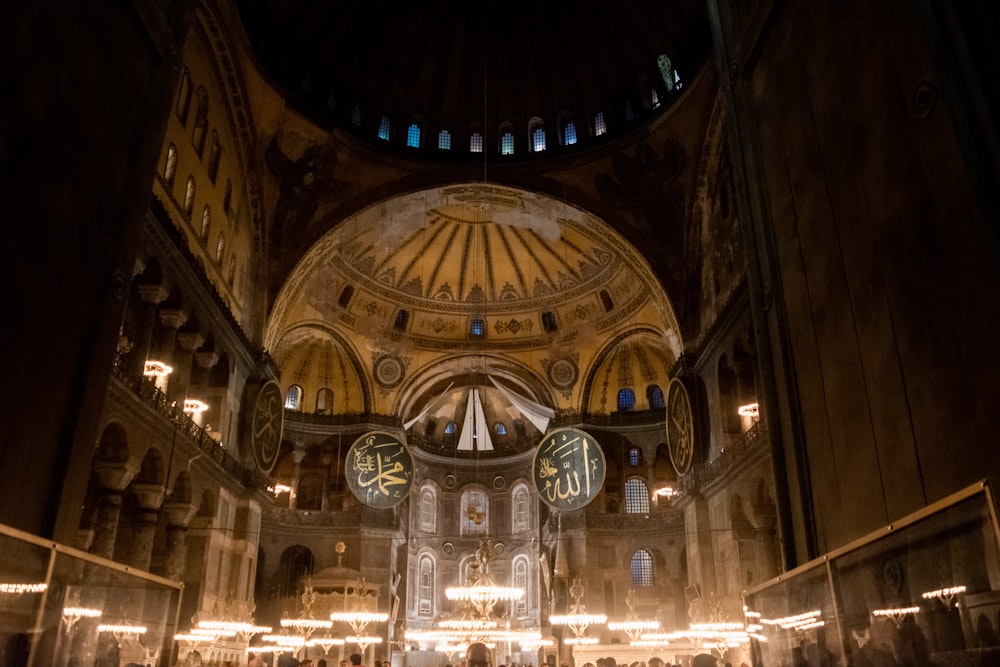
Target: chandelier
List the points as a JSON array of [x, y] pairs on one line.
[[304, 624], [578, 620], [359, 617], [480, 593], [633, 626]]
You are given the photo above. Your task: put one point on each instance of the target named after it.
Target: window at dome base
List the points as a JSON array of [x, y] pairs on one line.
[[655, 397], [600, 127], [383, 128], [293, 399], [570, 133], [413, 136], [507, 144], [444, 140], [477, 327], [476, 143], [626, 399], [356, 116]]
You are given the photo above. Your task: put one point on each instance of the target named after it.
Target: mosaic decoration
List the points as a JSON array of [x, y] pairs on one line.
[[389, 370]]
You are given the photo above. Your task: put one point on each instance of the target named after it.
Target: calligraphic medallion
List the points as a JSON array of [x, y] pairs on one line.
[[379, 470], [680, 427], [569, 469], [266, 423]]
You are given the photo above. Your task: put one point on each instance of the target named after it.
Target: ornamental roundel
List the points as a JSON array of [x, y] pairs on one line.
[[266, 423], [680, 427], [568, 469], [389, 370], [379, 470], [563, 373]]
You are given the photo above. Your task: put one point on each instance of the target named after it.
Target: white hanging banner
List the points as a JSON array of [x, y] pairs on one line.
[[537, 414]]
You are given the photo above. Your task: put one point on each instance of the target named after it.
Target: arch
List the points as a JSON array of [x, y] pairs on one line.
[[206, 223], [208, 503], [654, 397], [536, 135], [181, 491], [200, 132], [324, 401], [475, 511], [296, 562], [310, 494], [641, 566], [520, 505], [184, 91], [151, 470], [626, 399], [636, 496], [519, 569], [214, 157], [427, 509], [170, 168], [426, 579], [189, 193], [113, 445], [293, 398]]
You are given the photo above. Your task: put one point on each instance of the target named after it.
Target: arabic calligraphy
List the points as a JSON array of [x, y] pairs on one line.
[[680, 432], [379, 470], [569, 468]]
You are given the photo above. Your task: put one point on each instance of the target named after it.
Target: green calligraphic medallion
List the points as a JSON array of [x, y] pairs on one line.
[[379, 470], [266, 423], [569, 469]]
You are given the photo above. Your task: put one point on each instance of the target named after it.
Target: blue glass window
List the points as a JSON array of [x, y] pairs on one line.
[[507, 144], [626, 399], [383, 128], [444, 140], [655, 397], [413, 136], [570, 133], [642, 569]]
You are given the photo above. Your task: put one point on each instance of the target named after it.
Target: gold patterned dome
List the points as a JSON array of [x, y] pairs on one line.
[[478, 306]]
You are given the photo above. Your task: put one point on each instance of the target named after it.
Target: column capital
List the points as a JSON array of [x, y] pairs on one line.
[[178, 515], [114, 475], [173, 318], [148, 496], [153, 294], [190, 340], [207, 359]]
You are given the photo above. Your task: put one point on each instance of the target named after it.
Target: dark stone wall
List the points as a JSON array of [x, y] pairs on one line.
[[866, 150], [86, 90]]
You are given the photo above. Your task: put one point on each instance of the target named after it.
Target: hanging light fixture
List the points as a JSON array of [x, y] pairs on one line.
[[578, 620]]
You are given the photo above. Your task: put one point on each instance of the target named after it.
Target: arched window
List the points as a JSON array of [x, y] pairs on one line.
[[500, 428], [519, 504], [206, 223], [475, 512], [356, 115], [296, 562], [310, 494], [476, 143], [200, 132], [402, 317], [345, 296], [450, 428], [626, 399], [606, 301], [569, 133], [214, 156], [324, 401], [519, 577], [428, 510], [507, 143], [170, 168], [444, 140], [189, 191], [536, 130], [413, 136], [293, 399], [549, 323], [220, 249], [629, 113], [654, 98], [667, 72], [232, 270], [634, 456], [227, 198], [654, 395], [383, 128], [642, 569], [425, 592], [430, 427], [477, 327], [600, 126], [184, 96], [636, 496]]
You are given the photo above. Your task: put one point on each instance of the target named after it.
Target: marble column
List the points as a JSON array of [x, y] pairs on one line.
[[178, 516], [149, 497], [188, 342], [764, 516], [172, 319], [113, 477], [152, 296], [297, 456]]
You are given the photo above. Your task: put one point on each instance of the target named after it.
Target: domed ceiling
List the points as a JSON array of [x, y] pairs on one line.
[[472, 312], [375, 68]]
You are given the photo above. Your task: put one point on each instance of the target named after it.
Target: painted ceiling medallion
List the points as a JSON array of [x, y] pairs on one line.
[[563, 373], [389, 370]]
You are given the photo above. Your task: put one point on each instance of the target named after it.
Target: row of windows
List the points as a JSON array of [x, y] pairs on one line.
[[324, 400], [654, 397], [536, 132], [474, 510], [640, 566]]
